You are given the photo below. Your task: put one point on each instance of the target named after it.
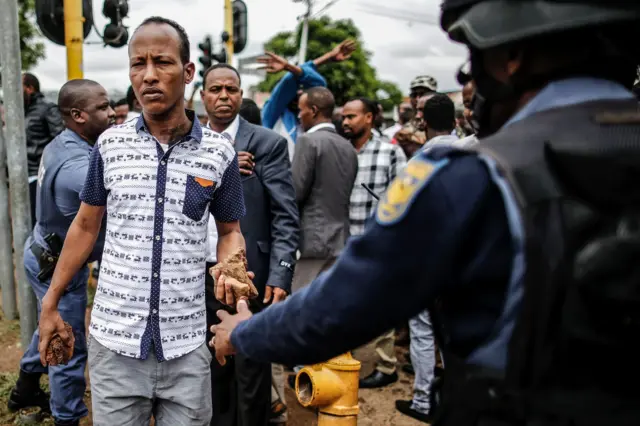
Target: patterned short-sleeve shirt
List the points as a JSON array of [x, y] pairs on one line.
[[151, 286]]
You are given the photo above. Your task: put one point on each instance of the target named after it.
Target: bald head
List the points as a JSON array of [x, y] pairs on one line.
[[85, 108], [77, 94], [322, 99]]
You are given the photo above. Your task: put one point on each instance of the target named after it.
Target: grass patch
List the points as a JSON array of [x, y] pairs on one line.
[[9, 331], [7, 381]]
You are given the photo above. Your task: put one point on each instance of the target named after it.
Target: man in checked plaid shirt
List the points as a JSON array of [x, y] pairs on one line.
[[378, 161], [378, 164]]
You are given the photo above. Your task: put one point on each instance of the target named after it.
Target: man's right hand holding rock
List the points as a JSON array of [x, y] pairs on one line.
[[51, 325]]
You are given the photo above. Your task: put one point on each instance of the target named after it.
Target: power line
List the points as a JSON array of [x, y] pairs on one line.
[[397, 14], [324, 8], [397, 17]]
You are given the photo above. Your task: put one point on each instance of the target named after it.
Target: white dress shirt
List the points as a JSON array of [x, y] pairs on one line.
[[321, 126], [390, 132], [212, 231]]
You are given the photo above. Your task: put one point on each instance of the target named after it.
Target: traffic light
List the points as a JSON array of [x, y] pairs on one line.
[[221, 57], [50, 19], [206, 57], [115, 33], [240, 34]]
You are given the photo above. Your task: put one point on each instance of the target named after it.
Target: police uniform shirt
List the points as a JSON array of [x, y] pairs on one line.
[[70, 178], [452, 228], [396, 268]]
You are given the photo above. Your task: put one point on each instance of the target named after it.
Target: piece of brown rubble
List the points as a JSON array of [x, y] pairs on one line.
[[57, 352], [235, 266]]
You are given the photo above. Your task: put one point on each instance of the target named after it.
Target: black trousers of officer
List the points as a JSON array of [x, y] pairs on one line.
[[241, 389]]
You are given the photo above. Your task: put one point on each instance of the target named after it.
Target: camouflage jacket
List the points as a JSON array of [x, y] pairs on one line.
[[411, 132]]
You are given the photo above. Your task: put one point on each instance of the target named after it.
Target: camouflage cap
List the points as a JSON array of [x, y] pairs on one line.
[[425, 81]]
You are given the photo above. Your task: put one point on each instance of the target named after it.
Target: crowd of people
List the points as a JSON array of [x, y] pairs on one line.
[[158, 195], [490, 226]]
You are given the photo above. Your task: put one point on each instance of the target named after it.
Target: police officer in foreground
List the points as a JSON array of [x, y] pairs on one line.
[[526, 249], [86, 113]]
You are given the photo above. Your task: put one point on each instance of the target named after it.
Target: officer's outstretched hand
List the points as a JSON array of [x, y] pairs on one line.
[[221, 341], [50, 325]]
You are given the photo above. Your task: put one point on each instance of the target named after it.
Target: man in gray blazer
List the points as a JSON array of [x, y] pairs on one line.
[[324, 170], [242, 388]]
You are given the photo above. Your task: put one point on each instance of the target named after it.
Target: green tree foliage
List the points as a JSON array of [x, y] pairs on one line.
[[351, 78], [31, 49], [389, 95]]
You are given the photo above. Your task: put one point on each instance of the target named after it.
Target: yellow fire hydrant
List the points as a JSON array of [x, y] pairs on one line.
[[332, 387]]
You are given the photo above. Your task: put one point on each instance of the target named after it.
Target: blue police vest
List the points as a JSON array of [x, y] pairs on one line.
[[65, 147], [572, 173]]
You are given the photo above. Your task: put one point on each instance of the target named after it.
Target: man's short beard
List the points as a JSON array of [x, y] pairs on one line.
[[354, 136]]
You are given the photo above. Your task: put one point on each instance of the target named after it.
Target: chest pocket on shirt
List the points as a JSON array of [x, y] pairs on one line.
[[197, 196]]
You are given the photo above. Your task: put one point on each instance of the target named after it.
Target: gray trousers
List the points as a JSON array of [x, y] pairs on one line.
[[423, 358], [386, 351], [277, 390], [127, 391]]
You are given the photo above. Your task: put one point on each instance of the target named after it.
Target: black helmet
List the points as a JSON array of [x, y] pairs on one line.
[[452, 9], [490, 23]]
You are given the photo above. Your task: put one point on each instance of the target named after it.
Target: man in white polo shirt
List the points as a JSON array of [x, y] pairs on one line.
[[157, 178]]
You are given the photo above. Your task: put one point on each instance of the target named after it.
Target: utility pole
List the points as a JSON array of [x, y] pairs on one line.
[[73, 37], [302, 54], [7, 283], [16, 144], [228, 27]]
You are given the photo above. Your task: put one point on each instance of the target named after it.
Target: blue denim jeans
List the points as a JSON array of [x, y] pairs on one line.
[[67, 382], [423, 358]]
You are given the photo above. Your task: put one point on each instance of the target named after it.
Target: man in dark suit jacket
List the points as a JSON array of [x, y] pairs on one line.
[[325, 166], [242, 388]]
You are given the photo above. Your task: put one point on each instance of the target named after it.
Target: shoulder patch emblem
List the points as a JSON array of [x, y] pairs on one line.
[[396, 201]]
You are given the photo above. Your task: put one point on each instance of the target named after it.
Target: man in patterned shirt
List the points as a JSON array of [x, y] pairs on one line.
[[157, 177], [378, 164]]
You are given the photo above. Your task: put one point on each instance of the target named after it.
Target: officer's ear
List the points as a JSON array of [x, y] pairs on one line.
[[77, 115], [315, 110], [515, 59], [503, 62]]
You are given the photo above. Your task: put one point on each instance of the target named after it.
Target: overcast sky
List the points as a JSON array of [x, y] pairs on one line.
[[401, 48]]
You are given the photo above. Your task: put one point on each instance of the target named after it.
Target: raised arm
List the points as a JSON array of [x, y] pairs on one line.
[[339, 53], [285, 90]]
